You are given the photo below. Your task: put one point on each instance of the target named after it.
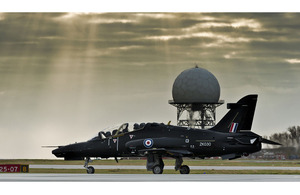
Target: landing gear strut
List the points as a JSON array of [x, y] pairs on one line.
[[184, 169], [155, 163], [89, 169]]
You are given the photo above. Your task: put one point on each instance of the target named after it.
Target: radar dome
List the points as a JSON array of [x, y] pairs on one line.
[[196, 85]]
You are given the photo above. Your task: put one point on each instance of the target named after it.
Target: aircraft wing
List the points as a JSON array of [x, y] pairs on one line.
[[167, 152]]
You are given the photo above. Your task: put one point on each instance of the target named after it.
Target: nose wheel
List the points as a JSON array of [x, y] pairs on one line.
[[90, 170]]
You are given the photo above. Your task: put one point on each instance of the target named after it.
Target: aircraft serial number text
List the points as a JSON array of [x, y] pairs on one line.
[[205, 144]]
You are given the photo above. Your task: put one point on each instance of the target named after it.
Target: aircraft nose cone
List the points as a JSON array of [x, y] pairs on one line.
[[58, 152]]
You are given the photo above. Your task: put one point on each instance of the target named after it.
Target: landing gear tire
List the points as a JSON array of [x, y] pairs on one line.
[[157, 169], [90, 170], [184, 169]]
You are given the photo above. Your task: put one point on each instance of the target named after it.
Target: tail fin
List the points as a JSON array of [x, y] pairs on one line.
[[239, 117]]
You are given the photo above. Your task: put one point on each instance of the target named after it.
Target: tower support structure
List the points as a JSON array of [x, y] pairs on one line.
[[198, 115]]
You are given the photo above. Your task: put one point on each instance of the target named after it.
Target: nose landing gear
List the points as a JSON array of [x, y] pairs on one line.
[[89, 169]]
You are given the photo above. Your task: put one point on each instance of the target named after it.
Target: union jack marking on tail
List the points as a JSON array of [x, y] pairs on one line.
[[233, 127]]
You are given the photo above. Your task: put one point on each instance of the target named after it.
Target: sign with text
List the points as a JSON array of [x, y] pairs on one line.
[[14, 168]]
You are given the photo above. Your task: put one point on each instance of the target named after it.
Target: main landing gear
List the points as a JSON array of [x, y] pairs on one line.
[[156, 164], [89, 169], [183, 169]]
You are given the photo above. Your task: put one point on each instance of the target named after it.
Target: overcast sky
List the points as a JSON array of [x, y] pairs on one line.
[[66, 76]]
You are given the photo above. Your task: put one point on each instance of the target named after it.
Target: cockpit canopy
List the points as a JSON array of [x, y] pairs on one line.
[[118, 129]]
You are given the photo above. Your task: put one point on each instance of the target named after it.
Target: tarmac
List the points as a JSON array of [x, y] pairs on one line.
[[35, 177], [40, 177]]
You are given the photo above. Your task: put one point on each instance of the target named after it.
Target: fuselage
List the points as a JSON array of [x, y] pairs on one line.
[[230, 138], [154, 136]]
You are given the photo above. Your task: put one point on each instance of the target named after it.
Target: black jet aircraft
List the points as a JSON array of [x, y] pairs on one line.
[[231, 138]]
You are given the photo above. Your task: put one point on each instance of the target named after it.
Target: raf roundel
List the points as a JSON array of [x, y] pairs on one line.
[[148, 143]]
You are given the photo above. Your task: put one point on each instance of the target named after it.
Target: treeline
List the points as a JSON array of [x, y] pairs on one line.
[[290, 138]]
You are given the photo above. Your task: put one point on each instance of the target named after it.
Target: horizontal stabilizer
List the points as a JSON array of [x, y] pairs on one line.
[[246, 140], [265, 141]]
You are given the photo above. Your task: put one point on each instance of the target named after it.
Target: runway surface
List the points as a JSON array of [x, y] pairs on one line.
[[166, 167], [30, 177]]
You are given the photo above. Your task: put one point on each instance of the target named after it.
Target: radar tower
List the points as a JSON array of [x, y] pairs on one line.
[[196, 93]]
